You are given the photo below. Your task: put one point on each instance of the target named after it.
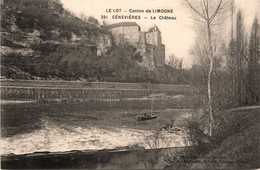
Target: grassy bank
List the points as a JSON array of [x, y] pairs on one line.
[[235, 143]]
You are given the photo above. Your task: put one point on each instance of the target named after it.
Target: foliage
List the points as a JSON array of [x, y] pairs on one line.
[[56, 55], [92, 20], [253, 73], [46, 15], [175, 62], [234, 82], [153, 154], [243, 64]]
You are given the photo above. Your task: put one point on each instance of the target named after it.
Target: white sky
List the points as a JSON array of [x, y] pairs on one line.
[[177, 35]]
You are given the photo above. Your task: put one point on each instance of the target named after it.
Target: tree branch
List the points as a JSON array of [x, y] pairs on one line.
[[216, 12], [197, 12]]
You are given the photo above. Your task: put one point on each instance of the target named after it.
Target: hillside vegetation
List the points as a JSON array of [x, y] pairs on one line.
[[42, 40]]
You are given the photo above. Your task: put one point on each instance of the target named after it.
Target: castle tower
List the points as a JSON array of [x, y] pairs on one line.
[[155, 46], [148, 44], [153, 36]]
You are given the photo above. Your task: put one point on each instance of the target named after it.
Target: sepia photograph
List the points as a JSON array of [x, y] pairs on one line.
[[130, 84]]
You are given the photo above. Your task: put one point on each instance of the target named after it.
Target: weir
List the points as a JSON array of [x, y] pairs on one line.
[[38, 93], [29, 93]]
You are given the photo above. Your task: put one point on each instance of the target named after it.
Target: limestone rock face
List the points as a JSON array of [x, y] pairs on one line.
[[103, 42], [74, 37], [34, 37]]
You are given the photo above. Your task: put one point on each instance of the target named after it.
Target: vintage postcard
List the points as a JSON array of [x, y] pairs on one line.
[[130, 84]]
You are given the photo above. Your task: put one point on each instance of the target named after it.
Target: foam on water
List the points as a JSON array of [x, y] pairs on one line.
[[55, 138]]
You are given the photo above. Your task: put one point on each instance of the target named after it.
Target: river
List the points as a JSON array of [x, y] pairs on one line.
[[65, 126]]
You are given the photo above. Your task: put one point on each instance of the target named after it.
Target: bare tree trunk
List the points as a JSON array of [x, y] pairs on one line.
[[211, 119], [205, 12]]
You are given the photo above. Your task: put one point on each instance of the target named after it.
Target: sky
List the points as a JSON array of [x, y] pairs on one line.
[[177, 35]]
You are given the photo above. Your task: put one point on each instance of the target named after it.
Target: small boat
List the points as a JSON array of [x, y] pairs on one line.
[[146, 117], [151, 115]]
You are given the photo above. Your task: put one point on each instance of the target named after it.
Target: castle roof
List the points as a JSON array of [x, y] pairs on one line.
[[153, 29], [121, 24]]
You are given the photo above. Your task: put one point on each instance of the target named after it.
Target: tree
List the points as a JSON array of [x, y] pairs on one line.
[[153, 154], [253, 65], [240, 59], [93, 20], [208, 15], [237, 63], [83, 17], [230, 59], [175, 62]]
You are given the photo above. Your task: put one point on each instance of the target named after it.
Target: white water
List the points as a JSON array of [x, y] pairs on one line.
[[54, 139]]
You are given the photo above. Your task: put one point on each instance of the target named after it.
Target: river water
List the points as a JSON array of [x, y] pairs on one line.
[[54, 127]]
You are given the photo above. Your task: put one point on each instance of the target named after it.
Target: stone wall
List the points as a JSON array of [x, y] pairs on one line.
[[154, 38], [159, 56], [156, 48], [148, 58], [149, 43], [131, 33], [156, 55]]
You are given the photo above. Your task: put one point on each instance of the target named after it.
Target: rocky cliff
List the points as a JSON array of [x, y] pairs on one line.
[[42, 40], [38, 28]]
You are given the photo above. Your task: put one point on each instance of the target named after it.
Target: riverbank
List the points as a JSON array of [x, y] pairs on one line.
[[236, 140]]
